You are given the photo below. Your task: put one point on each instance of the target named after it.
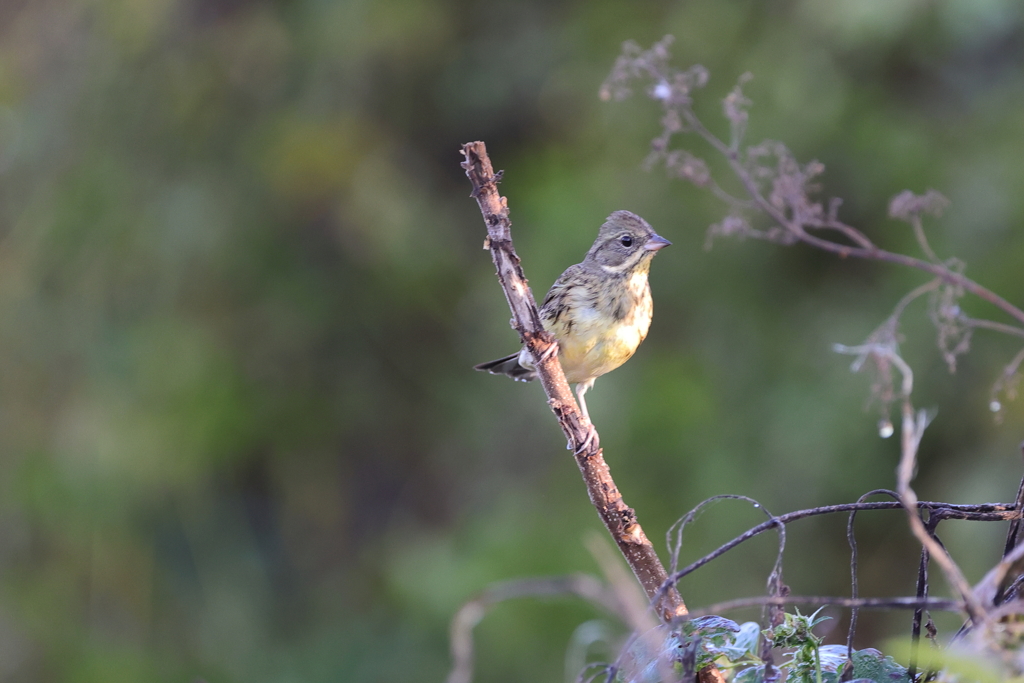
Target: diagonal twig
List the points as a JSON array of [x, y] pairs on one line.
[[618, 517]]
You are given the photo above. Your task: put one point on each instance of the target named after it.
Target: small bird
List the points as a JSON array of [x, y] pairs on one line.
[[598, 310]]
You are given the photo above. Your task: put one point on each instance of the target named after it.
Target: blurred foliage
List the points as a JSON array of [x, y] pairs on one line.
[[242, 289]]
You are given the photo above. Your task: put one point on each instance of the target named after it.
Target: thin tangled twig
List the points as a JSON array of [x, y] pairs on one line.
[[607, 598], [986, 512], [831, 601]]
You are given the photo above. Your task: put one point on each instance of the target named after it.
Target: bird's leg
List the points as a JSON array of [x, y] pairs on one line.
[[581, 389]]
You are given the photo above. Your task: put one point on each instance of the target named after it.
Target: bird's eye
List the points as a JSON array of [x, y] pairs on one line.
[[626, 240]]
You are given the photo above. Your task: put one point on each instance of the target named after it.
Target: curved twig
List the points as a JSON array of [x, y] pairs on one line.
[[826, 601]]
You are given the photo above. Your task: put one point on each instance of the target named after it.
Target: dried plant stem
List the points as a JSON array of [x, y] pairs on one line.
[[991, 325], [822, 601], [618, 517], [988, 512], [914, 425], [796, 228], [913, 294], [470, 614]]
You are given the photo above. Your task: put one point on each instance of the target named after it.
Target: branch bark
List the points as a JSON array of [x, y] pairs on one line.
[[618, 518]]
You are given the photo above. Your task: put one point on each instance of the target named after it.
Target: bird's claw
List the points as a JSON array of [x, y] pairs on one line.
[[550, 351], [591, 437]]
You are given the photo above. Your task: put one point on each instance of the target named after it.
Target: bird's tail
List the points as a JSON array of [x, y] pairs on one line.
[[509, 365]]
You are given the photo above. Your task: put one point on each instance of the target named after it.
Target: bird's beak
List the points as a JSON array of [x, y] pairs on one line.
[[656, 242]]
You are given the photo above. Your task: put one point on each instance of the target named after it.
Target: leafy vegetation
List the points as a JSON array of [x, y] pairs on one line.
[[242, 293]]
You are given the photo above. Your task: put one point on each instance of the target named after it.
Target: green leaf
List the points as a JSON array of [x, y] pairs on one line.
[[871, 664]]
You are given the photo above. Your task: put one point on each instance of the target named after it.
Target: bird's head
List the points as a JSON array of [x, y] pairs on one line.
[[624, 244]]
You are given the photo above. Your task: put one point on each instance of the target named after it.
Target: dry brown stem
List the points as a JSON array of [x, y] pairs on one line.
[[618, 517]]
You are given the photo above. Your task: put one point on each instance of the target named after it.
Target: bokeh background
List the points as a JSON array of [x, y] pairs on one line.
[[242, 291]]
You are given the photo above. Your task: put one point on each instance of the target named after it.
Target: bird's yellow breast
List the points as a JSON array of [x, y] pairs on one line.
[[601, 327]]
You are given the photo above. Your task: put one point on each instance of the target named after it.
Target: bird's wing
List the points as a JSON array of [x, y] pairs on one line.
[[554, 300]]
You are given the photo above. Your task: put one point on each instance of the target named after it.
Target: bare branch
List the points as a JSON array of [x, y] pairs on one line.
[[986, 512], [851, 538], [990, 589], [913, 294], [618, 517], [822, 601], [992, 325], [1013, 531], [914, 425]]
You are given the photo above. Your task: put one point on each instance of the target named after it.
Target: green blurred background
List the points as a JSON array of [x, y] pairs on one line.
[[242, 292]]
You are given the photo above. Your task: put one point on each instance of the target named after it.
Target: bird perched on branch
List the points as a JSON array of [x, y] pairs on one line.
[[598, 310]]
